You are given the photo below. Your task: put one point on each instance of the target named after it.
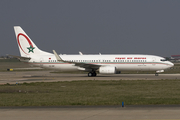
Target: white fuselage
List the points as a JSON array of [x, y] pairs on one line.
[[122, 62], [105, 64]]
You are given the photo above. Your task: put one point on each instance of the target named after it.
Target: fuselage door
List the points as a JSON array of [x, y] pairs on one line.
[[41, 62], [153, 61]]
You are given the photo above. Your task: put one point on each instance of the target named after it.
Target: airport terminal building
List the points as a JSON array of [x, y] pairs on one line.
[[175, 57]]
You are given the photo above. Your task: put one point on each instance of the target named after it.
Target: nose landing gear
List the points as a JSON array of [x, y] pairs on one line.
[[156, 74]]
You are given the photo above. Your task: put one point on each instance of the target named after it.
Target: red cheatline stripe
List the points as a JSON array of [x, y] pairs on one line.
[[102, 63]]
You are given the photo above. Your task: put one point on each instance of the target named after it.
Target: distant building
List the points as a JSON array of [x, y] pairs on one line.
[[175, 57]]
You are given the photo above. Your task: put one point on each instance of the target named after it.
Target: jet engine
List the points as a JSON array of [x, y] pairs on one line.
[[107, 70]]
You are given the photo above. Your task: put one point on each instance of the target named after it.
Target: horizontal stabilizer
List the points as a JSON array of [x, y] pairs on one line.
[[20, 58]]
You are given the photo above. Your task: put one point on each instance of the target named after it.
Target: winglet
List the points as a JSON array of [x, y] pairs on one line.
[[58, 57], [80, 53]]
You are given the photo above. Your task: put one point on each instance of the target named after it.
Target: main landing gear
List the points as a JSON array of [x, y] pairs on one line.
[[91, 74]]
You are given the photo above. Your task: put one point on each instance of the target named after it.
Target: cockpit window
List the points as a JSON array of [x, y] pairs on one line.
[[163, 59]]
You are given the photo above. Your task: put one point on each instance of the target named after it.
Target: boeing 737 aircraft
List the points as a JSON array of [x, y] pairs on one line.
[[105, 64]]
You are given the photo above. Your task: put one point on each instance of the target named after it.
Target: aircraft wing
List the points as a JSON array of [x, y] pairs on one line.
[[82, 65], [20, 58], [88, 66]]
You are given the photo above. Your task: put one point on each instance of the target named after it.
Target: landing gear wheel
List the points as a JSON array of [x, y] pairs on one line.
[[90, 74], [156, 74], [94, 74]]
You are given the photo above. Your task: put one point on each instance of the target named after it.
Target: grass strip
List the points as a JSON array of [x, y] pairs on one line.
[[131, 92]]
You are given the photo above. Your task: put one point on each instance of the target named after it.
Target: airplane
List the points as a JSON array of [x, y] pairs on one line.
[[104, 63]]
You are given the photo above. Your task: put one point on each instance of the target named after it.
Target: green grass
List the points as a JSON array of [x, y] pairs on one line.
[[132, 92]]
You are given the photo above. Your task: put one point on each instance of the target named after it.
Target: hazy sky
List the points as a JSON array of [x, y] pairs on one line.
[[93, 26]]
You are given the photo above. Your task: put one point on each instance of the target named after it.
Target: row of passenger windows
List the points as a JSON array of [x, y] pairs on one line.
[[102, 60], [129, 60], [81, 60], [84, 60]]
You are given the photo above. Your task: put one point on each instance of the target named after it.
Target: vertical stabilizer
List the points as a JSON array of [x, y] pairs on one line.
[[25, 44]]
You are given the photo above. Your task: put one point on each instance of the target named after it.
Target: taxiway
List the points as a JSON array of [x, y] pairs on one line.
[[47, 76], [152, 112]]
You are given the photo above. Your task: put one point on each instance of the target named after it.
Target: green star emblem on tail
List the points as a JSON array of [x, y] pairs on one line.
[[31, 49]]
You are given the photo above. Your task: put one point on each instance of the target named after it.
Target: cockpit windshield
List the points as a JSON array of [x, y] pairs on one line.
[[163, 59]]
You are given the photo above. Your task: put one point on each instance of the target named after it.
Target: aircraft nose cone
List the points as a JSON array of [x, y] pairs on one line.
[[171, 64]]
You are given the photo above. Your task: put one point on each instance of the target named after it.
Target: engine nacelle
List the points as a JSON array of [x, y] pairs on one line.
[[107, 70]]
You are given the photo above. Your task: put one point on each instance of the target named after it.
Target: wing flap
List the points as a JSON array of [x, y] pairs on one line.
[[87, 65]]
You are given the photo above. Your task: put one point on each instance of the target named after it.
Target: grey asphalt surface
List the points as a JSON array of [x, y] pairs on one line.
[[92, 113], [153, 112], [46, 76]]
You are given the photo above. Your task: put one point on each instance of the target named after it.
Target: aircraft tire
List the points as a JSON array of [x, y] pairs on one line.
[[90, 74], [156, 74], [94, 74]]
